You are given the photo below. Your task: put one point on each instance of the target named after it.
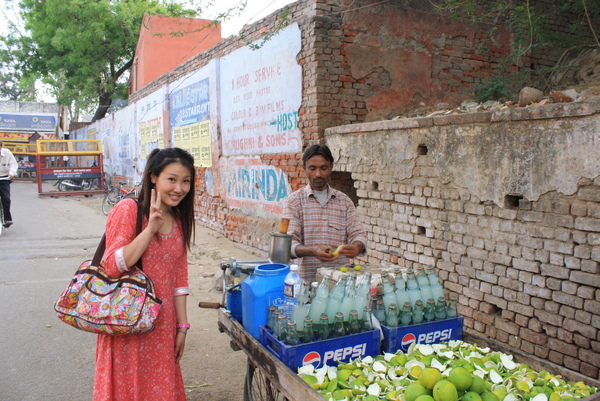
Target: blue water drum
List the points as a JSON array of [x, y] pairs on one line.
[[262, 289]]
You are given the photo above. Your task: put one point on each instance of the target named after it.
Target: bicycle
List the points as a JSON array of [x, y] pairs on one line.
[[114, 194]]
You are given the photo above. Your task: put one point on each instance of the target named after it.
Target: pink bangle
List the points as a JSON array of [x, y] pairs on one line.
[[183, 325]]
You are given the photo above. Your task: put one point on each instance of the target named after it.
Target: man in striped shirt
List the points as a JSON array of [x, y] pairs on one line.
[[325, 228]]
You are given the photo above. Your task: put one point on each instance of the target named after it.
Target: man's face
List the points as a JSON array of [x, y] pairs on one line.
[[318, 170]]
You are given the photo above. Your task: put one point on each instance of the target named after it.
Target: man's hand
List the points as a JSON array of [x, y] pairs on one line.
[[351, 250], [11, 176]]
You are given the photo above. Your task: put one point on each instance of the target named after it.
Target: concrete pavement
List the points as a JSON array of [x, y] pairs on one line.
[[42, 358]]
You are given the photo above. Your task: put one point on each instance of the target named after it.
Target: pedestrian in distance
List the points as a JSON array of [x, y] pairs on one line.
[[8, 170], [146, 366], [324, 225]]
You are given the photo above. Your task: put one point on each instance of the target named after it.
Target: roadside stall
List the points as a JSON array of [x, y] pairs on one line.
[[75, 167], [361, 365], [26, 156]]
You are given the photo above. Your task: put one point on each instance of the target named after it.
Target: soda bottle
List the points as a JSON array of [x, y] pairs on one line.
[[440, 309], [413, 287], [301, 308], [391, 319], [451, 307], [424, 285], [429, 310], [308, 334], [334, 303], [319, 303], [367, 323], [353, 323], [271, 317], [292, 283], [338, 326], [417, 313], [401, 293], [313, 290], [406, 315], [389, 296], [280, 327], [379, 311], [349, 296], [363, 295], [434, 280], [323, 330], [291, 334]]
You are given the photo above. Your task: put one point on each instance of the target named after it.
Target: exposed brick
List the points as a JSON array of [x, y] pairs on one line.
[[587, 224], [576, 327], [559, 247], [521, 309], [551, 318], [589, 356], [567, 299], [585, 278], [589, 194], [526, 265], [533, 337], [555, 271]]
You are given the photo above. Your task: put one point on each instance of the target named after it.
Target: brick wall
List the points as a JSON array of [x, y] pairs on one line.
[[522, 255]]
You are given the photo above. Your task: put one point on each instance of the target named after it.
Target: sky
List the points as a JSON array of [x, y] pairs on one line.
[[254, 10]]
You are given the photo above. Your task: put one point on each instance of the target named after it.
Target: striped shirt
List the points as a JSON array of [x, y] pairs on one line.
[[332, 224]]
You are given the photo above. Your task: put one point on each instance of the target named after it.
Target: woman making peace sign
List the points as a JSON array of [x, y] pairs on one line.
[[146, 366]]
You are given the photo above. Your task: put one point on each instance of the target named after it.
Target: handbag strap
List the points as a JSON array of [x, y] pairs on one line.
[[97, 259]]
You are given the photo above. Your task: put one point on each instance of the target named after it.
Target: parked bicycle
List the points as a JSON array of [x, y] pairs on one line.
[[114, 194]]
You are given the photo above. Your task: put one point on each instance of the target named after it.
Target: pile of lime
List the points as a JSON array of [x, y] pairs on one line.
[[452, 371]]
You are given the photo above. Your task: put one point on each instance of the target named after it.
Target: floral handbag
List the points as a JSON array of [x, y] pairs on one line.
[[98, 303]]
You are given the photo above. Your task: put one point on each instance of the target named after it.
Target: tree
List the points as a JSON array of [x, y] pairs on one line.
[[83, 49]]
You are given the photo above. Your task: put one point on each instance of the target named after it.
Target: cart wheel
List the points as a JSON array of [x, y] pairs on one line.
[[258, 386]]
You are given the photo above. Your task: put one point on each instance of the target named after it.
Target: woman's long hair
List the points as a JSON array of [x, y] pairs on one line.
[[157, 161]]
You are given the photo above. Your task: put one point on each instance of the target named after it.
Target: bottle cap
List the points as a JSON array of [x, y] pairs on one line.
[[294, 267]]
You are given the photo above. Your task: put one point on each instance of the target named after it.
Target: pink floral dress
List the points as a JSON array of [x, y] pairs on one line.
[[142, 367]]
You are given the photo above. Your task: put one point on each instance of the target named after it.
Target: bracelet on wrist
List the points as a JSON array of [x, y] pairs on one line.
[[182, 331], [183, 325]]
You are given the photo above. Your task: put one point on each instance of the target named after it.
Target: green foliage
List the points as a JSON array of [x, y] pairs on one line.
[[527, 22], [81, 48]]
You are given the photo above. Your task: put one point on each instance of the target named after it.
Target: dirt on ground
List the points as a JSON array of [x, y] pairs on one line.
[[211, 369]]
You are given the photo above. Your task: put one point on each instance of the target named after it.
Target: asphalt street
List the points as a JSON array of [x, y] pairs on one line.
[[41, 357]]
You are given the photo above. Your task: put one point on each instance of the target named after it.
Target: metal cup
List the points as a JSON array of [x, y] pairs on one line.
[[281, 245]]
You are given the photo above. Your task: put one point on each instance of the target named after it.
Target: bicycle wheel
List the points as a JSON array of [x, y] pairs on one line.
[[111, 197], [258, 386]]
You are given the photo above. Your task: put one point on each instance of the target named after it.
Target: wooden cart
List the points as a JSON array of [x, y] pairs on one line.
[[269, 379]]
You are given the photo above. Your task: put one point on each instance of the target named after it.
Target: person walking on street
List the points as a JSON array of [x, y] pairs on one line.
[[324, 225], [8, 170]]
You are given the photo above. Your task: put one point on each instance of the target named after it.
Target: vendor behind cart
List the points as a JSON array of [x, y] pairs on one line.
[[324, 225]]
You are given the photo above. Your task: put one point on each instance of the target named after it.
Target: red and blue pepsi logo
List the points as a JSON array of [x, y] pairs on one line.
[[407, 340], [312, 358]]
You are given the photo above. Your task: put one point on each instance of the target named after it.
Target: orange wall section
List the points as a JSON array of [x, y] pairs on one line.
[[166, 42]]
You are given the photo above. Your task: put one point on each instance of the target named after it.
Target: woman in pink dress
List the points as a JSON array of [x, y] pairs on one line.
[[145, 367]]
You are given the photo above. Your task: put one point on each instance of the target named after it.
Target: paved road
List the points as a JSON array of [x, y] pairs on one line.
[[40, 357]]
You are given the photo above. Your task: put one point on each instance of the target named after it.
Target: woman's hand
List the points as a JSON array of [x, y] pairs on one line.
[[179, 344], [156, 218]]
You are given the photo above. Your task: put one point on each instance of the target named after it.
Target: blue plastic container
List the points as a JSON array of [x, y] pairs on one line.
[[234, 302], [263, 288], [400, 338], [320, 353]]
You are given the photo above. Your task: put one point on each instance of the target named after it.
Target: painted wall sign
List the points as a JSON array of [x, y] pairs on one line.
[[250, 184], [189, 116], [261, 93], [149, 117], [28, 121]]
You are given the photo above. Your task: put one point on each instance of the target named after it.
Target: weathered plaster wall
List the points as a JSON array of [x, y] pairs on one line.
[[527, 272]]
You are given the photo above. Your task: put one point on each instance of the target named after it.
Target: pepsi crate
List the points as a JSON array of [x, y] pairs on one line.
[[400, 338], [321, 353]]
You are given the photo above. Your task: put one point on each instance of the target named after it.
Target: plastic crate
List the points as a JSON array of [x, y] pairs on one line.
[[320, 353], [400, 338]]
